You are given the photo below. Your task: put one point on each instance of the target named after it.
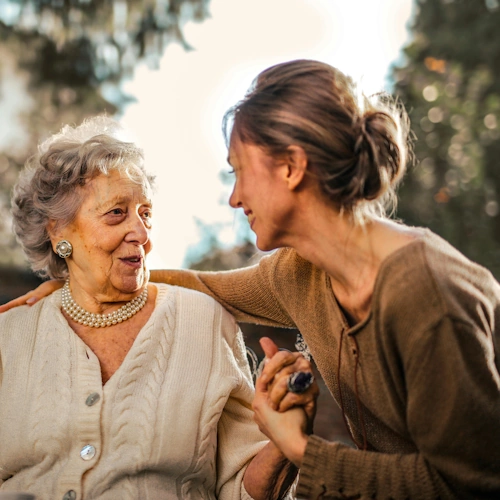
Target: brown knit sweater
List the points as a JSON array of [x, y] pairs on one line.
[[419, 378]]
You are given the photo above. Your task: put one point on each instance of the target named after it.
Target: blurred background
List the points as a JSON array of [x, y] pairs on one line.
[[169, 69]]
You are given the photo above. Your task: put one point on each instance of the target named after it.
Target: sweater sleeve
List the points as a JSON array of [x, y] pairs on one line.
[[249, 294], [239, 438], [453, 411]]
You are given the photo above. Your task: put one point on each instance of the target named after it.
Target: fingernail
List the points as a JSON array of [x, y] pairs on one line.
[[31, 301]]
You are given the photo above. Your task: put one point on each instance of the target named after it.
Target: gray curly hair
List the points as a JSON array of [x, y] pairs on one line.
[[50, 186]]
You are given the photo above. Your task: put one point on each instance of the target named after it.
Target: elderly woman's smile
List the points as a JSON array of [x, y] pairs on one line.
[[110, 236]]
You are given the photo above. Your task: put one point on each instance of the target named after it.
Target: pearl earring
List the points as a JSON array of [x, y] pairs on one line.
[[64, 249]]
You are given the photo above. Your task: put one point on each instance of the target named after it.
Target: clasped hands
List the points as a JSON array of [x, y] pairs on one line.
[[286, 418]]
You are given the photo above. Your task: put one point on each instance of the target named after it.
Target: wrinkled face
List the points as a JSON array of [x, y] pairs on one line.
[[111, 237], [261, 191]]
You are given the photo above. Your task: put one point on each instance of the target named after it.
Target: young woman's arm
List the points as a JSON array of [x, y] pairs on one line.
[[453, 407], [246, 293]]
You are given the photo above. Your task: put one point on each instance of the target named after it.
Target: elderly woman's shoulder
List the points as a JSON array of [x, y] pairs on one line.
[[23, 311], [21, 321], [194, 300], [196, 314]]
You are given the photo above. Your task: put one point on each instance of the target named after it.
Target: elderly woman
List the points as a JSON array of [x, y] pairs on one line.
[[113, 388]]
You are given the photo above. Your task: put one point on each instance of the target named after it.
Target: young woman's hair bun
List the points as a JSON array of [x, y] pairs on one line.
[[380, 152]]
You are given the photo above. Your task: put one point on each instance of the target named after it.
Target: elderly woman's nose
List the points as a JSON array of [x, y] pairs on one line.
[[137, 230]]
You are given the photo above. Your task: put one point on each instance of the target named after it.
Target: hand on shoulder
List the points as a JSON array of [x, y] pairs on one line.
[[33, 296]]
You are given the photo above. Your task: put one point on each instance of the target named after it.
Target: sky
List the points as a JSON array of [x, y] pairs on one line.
[[178, 108]]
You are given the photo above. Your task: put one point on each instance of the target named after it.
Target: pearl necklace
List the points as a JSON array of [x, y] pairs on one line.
[[80, 315]]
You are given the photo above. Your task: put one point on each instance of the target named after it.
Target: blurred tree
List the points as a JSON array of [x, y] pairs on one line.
[[63, 60], [451, 86], [212, 254]]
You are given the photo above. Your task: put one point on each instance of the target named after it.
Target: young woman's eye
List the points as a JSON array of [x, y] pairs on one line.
[[231, 171]]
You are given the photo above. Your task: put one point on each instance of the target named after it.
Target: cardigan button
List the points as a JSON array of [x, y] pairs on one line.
[[87, 452], [92, 399], [69, 495]]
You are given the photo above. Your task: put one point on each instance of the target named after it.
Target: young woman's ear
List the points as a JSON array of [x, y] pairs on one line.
[[297, 166]]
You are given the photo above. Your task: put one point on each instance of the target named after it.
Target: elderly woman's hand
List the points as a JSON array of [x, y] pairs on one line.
[[33, 296], [278, 368]]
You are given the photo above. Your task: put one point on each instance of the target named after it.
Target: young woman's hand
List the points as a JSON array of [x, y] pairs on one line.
[[33, 296], [278, 367], [284, 417]]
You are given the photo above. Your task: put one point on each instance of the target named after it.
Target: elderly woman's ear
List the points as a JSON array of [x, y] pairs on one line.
[[54, 233], [60, 245]]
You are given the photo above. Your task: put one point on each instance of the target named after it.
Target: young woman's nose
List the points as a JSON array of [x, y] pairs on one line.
[[234, 200]]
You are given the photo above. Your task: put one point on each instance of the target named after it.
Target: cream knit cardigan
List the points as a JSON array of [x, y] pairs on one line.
[[174, 421]]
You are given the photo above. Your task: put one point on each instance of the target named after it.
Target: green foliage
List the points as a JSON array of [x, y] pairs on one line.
[[49, 87], [451, 86], [64, 60], [109, 36]]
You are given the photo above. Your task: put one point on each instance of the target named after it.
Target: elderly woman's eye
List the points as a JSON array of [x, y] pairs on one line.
[[116, 211]]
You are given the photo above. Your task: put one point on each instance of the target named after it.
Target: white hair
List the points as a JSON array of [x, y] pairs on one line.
[[50, 186]]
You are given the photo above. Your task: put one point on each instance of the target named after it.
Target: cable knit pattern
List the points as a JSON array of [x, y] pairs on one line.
[[53, 388], [420, 376], [206, 452], [135, 407], [174, 421]]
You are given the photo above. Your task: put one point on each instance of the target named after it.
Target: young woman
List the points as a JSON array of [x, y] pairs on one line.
[[404, 329]]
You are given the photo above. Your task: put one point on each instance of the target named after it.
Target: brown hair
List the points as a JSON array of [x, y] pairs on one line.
[[356, 146]]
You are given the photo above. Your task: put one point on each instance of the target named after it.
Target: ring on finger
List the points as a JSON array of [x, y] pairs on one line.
[[299, 382]]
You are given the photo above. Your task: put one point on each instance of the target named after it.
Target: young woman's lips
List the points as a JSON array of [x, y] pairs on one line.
[[250, 217], [134, 262]]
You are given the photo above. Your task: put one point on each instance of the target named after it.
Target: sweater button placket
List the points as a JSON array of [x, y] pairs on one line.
[[87, 452], [92, 399]]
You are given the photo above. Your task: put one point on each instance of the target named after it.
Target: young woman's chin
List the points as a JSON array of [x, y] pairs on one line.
[[265, 245]]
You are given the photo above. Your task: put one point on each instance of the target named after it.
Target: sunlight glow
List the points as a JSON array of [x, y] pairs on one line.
[[178, 113]]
